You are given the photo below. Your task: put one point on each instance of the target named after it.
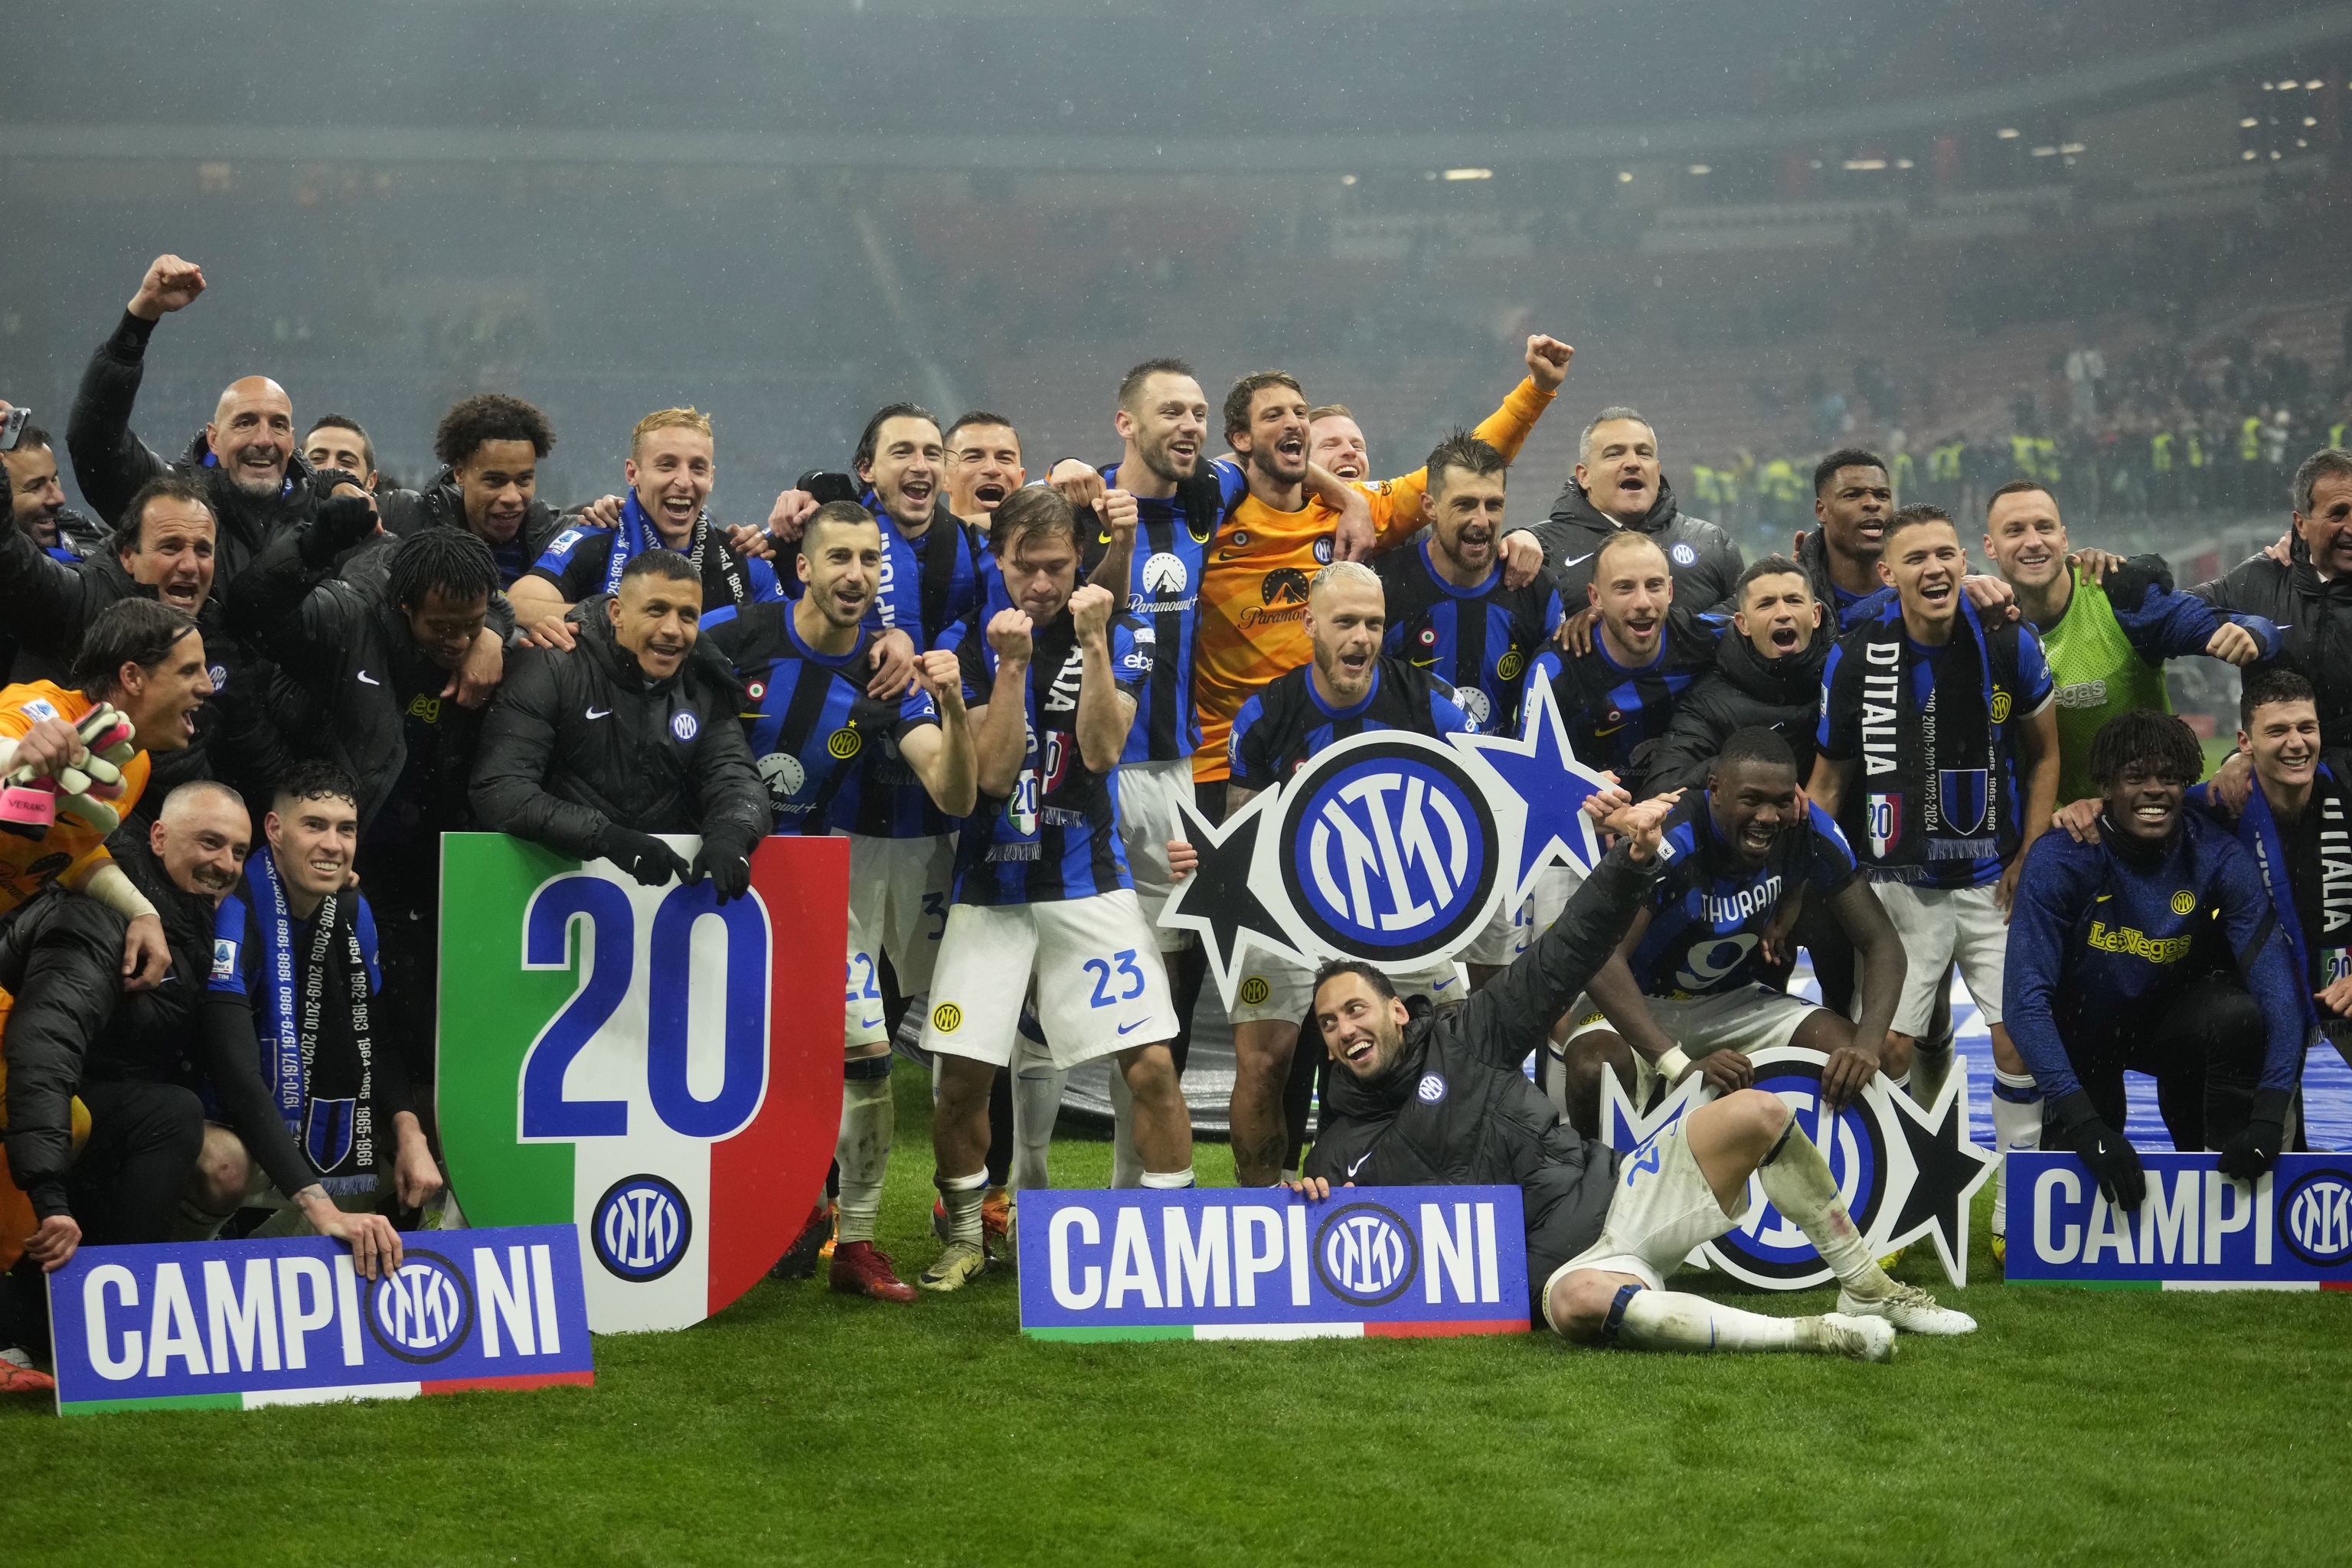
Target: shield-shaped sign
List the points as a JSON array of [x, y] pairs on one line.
[[657, 1068]]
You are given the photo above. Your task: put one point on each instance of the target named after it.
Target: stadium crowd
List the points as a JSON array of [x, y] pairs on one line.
[[249, 695]]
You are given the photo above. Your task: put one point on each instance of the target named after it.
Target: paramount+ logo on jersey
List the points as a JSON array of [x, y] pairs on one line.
[[1221, 1264]]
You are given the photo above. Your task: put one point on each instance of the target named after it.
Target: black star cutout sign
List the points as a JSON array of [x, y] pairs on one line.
[[1216, 901], [1950, 1170]]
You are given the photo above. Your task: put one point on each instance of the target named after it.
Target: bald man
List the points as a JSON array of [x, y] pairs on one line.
[[246, 456]]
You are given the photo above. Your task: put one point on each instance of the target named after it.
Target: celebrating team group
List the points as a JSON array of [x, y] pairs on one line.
[[250, 696]]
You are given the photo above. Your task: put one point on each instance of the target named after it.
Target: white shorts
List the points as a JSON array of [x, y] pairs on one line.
[[1149, 817], [1512, 931], [1100, 985], [1750, 1019], [1937, 925], [899, 893], [1664, 1208], [1274, 989]]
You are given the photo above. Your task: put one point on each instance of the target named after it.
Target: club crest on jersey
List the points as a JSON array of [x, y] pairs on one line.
[[685, 726], [1883, 815], [2184, 902], [843, 744], [1509, 665], [2001, 707], [1323, 549]]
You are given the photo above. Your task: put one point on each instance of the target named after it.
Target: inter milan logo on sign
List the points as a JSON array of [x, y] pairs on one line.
[[1391, 851], [1366, 1255], [2317, 1217], [421, 1310], [641, 1228]]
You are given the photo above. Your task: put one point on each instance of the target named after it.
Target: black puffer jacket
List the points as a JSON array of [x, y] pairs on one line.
[[2314, 615], [47, 606], [150, 1036], [1745, 688], [350, 652], [442, 504], [1457, 1109], [1705, 562], [61, 959], [111, 462], [576, 741]]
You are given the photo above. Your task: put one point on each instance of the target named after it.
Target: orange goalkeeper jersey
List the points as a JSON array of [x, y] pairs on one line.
[[1253, 605], [71, 851]]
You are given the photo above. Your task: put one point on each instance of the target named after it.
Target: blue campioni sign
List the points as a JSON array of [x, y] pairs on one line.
[[2197, 1229], [234, 1325], [1227, 1264]]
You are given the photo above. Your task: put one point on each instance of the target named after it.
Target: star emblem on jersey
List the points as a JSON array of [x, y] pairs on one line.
[[1905, 1171]]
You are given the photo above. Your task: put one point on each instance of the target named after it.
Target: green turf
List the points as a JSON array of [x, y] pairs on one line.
[[800, 1426]]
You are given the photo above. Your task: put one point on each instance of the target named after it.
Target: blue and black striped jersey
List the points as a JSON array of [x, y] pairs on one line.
[[1287, 721], [1055, 836], [579, 561], [1479, 640], [1708, 912], [812, 730], [1612, 711], [1171, 549], [928, 586]]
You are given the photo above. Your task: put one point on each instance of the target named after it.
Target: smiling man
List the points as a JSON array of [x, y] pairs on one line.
[[983, 465], [2308, 596], [1619, 697], [2154, 950], [1938, 756], [490, 446], [1619, 487]]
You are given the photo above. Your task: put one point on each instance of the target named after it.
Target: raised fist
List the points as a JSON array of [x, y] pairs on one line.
[[171, 284]]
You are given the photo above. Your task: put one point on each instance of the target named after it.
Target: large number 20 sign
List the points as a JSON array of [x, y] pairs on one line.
[[657, 1068]]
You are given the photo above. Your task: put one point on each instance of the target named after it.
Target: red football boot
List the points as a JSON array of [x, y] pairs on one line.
[[859, 1270]]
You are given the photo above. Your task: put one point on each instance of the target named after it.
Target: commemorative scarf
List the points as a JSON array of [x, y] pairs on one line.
[[1941, 749], [637, 534], [319, 1060]]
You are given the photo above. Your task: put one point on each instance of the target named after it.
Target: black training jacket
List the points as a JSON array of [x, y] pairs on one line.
[[1458, 1109], [2314, 616], [111, 462], [1744, 690], [1706, 563], [576, 740], [442, 504], [61, 959]]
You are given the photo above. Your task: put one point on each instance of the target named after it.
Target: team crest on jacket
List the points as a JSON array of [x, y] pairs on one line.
[[1387, 845], [1684, 555], [685, 726]]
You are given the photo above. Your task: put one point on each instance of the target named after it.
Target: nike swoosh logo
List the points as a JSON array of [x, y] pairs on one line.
[[2103, 897], [1442, 984], [367, 680], [1610, 731], [1358, 1164], [868, 1023], [1579, 560], [600, 712], [1123, 1028]]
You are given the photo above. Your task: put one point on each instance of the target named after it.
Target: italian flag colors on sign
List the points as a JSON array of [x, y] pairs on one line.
[[656, 1069]]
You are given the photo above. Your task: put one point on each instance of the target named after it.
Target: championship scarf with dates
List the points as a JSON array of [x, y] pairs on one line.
[[2315, 879], [637, 534], [1938, 759], [317, 1059]]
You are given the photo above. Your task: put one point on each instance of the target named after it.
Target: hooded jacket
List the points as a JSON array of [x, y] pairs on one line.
[[111, 462], [1705, 561], [1745, 688], [1457, 1109], [2312, 613], [580, 740]]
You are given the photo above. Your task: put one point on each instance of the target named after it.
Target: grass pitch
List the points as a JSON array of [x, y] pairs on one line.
[[800, 1426]]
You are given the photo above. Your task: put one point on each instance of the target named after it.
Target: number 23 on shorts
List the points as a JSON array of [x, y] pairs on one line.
[[1121, 966]]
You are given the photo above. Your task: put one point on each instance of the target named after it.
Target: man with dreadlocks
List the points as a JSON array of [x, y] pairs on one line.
[[2154, 948]]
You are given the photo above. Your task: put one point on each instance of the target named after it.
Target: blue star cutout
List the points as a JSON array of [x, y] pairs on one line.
[[1538, 767]]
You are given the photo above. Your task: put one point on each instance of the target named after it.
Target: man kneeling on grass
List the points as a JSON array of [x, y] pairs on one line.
[[1441, 1099]]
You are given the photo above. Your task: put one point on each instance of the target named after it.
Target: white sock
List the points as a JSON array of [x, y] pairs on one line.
[[1674, 1320], [1169, 1180], [1126, 1164], [1037, 1086], [2016, 1124], [863, 1151], [962, 1196], [1797, 1181]]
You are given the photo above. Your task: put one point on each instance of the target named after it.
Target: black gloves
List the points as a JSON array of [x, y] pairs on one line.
[[641, 855], [726, 862], [2256, 1150], [2106, 1151], [342, 521], [823, 487]]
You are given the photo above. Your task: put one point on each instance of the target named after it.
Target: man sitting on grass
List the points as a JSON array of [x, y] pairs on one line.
[[1441, 1099]]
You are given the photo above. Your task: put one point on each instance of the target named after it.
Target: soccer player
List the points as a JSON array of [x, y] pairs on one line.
[[594, 750], [337, 442], [490, 446], [1348, 688], [1618, 697], [37, 498], [1852, 502], [1769, 675], [1335, 443], [670, 470], [983, 466], [1603, 1232], [1939, 757], [810, 724], [1042, 884], [2106, 635], [1683, 992], [1618, 487], [339, 1086], [1254, 602], [2156, 950]]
